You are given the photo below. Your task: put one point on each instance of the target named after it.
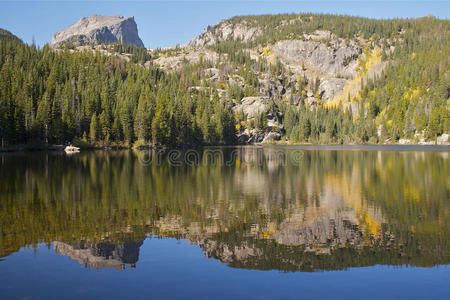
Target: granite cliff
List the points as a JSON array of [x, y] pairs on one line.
[[98, 29]]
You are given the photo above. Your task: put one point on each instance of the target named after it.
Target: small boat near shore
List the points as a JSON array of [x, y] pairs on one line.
[[71, 149]]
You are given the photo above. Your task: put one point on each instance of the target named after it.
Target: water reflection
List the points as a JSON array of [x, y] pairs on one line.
[[101, 255], [332, 210]]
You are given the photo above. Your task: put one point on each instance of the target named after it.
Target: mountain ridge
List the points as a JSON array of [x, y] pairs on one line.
[[324, 61], [6, 35]]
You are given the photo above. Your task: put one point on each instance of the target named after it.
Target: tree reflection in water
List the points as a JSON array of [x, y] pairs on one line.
[[333, 210]]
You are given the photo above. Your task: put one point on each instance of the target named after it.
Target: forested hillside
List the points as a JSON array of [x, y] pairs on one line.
[[296, 78], [5, 35], [392, 83], [54, 97]]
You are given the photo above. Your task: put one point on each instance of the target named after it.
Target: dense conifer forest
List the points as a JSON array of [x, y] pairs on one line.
[[54, 97]]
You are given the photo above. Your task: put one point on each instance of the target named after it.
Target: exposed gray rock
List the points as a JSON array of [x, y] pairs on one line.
[[175, 62], [99, 29], [319, 35], [236, 80], [212, 74], [224, 31], [331, 87], [335, 61], [419, 138], [256, 137], [404, 141], [311, 101], [251, 136], [253, 106], [443, 139], [271, 137]]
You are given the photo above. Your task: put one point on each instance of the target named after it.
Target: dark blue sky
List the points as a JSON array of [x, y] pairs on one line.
[[167, 23]]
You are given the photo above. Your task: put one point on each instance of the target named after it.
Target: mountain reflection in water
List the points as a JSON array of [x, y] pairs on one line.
[[331, 210], [101, 255]]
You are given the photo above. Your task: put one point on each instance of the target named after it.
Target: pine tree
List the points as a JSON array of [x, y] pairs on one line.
[[143, 119], [160, 125], [305, 128], [93, 129]]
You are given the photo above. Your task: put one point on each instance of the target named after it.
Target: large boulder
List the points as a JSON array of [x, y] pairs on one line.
[[443, 139], [253, 106], [256, 137], [271, 137]]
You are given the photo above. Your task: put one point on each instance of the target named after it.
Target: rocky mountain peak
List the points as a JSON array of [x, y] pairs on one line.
[[99, 29]]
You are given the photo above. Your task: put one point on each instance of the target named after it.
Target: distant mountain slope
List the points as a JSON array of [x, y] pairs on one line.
[[392, 76], [99, 29], [5, 35]]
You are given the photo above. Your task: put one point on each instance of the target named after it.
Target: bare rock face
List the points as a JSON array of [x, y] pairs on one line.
[[224, 31], [175, 62], [330, 87], [99, 29], [443, 139], [333, 61], [253, 106], [271, 137]]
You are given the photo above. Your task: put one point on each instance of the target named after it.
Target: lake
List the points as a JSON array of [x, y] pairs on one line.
[[239, 222]]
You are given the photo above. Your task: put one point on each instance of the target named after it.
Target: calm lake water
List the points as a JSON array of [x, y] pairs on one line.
[[249, 222]]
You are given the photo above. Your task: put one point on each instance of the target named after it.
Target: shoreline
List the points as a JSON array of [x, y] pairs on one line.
[[60, 148]]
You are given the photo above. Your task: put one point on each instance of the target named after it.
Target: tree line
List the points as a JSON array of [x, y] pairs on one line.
[[53, 97]]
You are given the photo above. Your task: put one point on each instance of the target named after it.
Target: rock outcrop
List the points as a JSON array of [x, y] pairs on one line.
[[253, 106], [225, 31], [443, 139], [331, 87], [335, 60], [176, 60], [272, 137], [317, 55], [99, 29]]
